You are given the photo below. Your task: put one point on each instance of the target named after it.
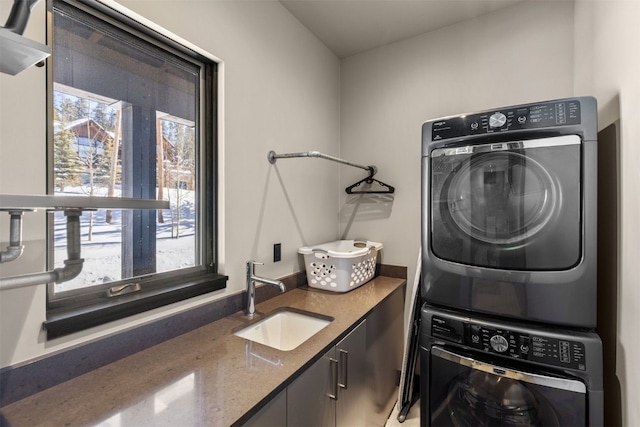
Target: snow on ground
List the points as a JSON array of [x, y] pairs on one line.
[[101, 253]]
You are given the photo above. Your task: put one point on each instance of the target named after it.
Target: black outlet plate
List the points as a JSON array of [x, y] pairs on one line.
[[277, 252]]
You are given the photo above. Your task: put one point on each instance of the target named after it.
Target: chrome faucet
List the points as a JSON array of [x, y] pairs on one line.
[[251, 287]]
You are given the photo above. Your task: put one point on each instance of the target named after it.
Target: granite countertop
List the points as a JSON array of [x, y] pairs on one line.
[[205, 377]]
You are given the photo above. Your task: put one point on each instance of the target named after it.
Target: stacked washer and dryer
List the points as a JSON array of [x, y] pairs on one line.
[[508, 275]]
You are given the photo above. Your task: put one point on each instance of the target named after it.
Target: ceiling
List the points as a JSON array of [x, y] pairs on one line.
[[348, 27]]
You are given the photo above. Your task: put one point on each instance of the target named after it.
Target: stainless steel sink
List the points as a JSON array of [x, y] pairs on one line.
[[285, 329]]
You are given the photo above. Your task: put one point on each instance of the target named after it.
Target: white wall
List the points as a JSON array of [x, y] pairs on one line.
[[22, 162], [520, 54], [607, 65], [281, 92]]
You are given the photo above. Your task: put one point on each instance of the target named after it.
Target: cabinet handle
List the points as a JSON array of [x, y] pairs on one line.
[[344, 367], [334, 378]]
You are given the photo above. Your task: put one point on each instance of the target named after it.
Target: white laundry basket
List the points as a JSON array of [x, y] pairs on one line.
[[340, 266]]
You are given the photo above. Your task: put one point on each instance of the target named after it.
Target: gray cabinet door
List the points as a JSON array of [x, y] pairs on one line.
[[308, 397], [273, 414], [351, 405], [384, 358], [353, 384]]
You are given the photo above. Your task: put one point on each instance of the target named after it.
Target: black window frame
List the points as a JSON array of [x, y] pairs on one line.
[[79, 310]]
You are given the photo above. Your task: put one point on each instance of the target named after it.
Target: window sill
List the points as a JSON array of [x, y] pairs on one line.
[[64, 322]]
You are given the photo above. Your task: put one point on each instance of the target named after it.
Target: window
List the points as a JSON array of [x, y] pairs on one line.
[[132, 115]]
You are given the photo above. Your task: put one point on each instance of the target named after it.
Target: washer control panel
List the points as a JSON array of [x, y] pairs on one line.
[[547, 114], [508, 342]]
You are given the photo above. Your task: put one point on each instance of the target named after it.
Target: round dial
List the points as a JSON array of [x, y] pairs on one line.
[[497, 120], [499, 343]]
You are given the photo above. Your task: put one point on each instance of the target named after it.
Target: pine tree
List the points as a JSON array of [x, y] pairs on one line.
[[67, 110], [66, 164]]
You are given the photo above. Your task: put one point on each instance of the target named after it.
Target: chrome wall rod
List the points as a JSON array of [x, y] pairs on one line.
[[72, 265], [15, 248], [73, 206], [272, 156]]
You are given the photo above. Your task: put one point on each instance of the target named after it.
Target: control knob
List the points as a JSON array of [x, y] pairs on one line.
[[499, 343], [497, 120]]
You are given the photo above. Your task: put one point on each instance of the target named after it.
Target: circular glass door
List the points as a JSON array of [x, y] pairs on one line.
[[479, 399], [469, 390], [500, 197]]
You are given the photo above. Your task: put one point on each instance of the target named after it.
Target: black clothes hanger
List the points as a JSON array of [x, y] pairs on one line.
[[387, 189]]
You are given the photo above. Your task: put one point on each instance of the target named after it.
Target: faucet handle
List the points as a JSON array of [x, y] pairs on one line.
[[252, 262]]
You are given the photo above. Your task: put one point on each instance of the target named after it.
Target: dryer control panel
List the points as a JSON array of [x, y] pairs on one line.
[[539, 348], [534, 116]]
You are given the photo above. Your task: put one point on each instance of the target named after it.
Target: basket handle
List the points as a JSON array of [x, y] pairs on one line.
[[319, 252], [370, 248], [361, 243], [322, 251]]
